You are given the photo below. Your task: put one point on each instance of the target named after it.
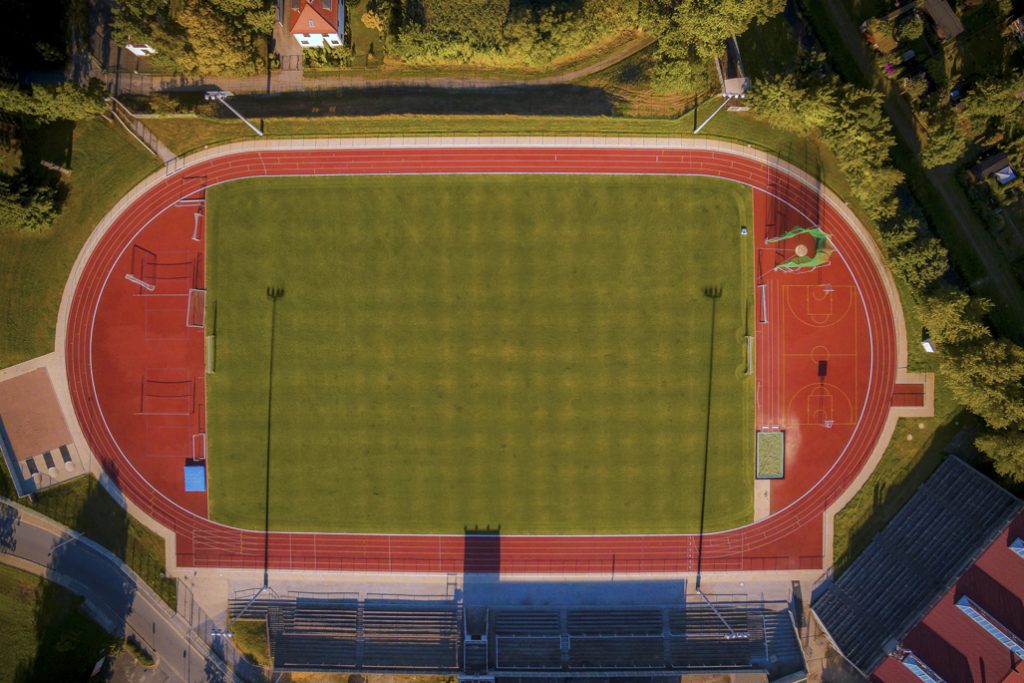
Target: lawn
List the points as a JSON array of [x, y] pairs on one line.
[[85, 506], [46, 635], [105, 162], [451, 351]]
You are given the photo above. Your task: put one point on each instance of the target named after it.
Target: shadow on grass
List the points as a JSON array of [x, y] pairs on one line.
[[534, 100], [68, 642], [85, 506], [889, 497]]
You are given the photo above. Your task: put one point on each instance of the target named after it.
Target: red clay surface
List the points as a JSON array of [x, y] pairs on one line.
[[136, 372]]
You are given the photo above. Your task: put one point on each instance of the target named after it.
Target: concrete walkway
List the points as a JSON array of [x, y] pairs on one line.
[[283, 81]]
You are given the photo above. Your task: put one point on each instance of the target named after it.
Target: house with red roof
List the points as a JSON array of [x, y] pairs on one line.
[[938, 594], [317, 23]]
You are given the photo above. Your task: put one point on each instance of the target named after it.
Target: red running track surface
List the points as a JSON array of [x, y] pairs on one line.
[[136, 372]]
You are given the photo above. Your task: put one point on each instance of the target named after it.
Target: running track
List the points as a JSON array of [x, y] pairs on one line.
[[791, 538]]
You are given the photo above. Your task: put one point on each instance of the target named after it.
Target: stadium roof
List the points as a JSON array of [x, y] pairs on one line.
[[914, 562], [947, 23], [974, 632]]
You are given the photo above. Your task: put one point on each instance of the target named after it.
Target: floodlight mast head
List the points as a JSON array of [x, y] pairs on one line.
[[211, 95]]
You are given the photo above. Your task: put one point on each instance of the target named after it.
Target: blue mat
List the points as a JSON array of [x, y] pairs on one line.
[[195, 477]]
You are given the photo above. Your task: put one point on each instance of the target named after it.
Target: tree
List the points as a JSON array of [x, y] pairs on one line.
[[996, 103], [852, 124], [26, 206], [205, 36], [880, 27], [695, 30], [921, 263], [215, 44], [1006, 450], [953, 318], [790, 105], [910, 29], [988, 379], [945, 145], [45, 104]]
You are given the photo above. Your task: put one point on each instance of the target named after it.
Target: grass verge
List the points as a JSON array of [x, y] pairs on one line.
[[251, 639], [186, 134], [85, 506], [47, 637], [34, 268]]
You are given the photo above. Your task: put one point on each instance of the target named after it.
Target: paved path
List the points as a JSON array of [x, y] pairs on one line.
[[115, 596], [1000, 285], [293, 81]]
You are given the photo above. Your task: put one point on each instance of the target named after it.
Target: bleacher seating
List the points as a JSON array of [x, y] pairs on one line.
[[416, 636], [528, 652], [620, 621], [527, 622], [637, 652]]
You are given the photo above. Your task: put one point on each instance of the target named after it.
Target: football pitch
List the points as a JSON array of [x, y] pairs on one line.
[[530, 352]]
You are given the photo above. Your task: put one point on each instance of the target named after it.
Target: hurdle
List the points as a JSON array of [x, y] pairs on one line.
[[141, 283], [195, 229]]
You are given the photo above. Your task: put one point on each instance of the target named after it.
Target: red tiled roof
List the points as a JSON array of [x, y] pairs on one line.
[[955, 647], [324, 20]]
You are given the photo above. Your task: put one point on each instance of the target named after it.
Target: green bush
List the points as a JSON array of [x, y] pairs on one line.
[[326, 57], [26, 206], [910, 29]]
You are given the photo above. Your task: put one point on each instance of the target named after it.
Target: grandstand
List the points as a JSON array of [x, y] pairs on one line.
[[310, 632], [348, 634], [950, 520]]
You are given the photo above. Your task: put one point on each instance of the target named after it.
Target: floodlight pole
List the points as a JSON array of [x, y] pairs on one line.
[[733, 633], [713, 115], [222, 97]]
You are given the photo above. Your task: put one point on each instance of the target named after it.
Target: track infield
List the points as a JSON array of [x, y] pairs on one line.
[[459, 351]]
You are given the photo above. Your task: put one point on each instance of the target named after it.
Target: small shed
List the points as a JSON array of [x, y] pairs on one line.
[[947, 23], [995, 166]]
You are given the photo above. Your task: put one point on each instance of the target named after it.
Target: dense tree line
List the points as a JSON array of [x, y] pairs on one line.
[[534, 33], [984, 373], [198, 36], [500, 32], [692, 32], [28, 198]]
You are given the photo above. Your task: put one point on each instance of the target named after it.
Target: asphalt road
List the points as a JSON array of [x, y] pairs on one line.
[[115, 596]]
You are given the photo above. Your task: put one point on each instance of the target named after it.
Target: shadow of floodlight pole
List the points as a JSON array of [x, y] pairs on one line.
[[273, 293], [713, 293]]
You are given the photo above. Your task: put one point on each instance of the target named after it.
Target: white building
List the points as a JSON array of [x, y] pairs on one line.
[[316, 23]]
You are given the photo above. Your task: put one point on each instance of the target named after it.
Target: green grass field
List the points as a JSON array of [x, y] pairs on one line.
[[523, 351]]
